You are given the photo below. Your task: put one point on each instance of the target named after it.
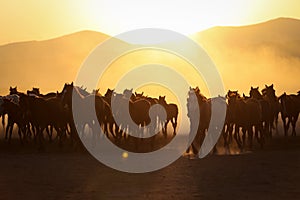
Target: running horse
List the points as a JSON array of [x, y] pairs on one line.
[[290, 108]]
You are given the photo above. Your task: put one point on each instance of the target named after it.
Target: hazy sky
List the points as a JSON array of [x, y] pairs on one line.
[[38, 20]]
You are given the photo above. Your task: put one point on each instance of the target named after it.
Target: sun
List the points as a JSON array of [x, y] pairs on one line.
[[186, 17]]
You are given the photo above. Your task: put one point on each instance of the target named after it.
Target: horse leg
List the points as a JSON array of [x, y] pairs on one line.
[[174, 125], [294, 121], [7, 130], [276, 123], [225, 135], [267, 128], [59, 134], [230, 133], [20, 135], [237, 137], [40, 136], [244, 132], [49, 132], [165, 128], [285, 126], [3, 123], [258, 128], [271, 128], [10, 131], [250, 137]]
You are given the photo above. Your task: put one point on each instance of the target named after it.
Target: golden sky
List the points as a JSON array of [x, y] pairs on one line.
[[38, 20]]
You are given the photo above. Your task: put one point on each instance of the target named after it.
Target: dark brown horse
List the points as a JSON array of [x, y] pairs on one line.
[[36, 91], [290, 108], [269, 94], [172, 114], [246, 115], [126, 110], [15, 116], [71, 96], [43, 113], [267, 111]]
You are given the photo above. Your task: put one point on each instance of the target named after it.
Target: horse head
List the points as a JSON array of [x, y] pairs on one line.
[[162, 100], [128, 93], [13, 90], [232, 96], [269, 91], [254, 93], [66, 92]]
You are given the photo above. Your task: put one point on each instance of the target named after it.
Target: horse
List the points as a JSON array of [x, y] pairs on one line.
[[269, 94], [267, 111], [138, 111], [172, 114], [246, 114], [71, 95], [43, 113], [290, 108], [15, 116], [36, 92], [155, 113], [203, 105], [14, 98]]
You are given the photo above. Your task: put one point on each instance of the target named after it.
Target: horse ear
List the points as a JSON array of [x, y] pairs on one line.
[[10, 88], [142, 93], [266, 86], [72, 83], [272, 85], [251, 88]]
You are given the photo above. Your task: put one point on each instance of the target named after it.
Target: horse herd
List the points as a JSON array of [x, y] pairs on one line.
[[256, 114], [246, 116], [36, 114]]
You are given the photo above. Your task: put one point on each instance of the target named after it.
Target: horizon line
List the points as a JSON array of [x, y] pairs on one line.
[[109, 35]]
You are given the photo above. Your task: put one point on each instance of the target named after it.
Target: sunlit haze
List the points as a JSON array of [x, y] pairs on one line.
[[40, 20], [253, 55]]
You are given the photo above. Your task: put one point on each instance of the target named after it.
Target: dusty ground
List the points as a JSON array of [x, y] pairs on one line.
[[272, 173]]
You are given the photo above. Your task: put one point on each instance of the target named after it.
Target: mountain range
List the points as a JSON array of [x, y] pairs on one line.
[[245, 56]]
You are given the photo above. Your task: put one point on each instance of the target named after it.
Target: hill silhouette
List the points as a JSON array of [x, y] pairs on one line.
[[46, 64], [258, 54]]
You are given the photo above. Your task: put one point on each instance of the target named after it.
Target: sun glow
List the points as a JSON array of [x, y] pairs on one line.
[[40, 20], [183, 16]]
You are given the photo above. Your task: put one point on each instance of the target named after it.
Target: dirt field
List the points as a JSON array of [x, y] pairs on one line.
[[271, 173]]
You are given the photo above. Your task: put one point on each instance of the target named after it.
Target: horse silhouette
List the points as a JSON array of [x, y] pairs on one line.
[[129, 110], [246, 115], [269, 94], [15, 116], [172, 114], [290, 108], [43, 113], [71, 95], [267, 115], [204, 108]]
